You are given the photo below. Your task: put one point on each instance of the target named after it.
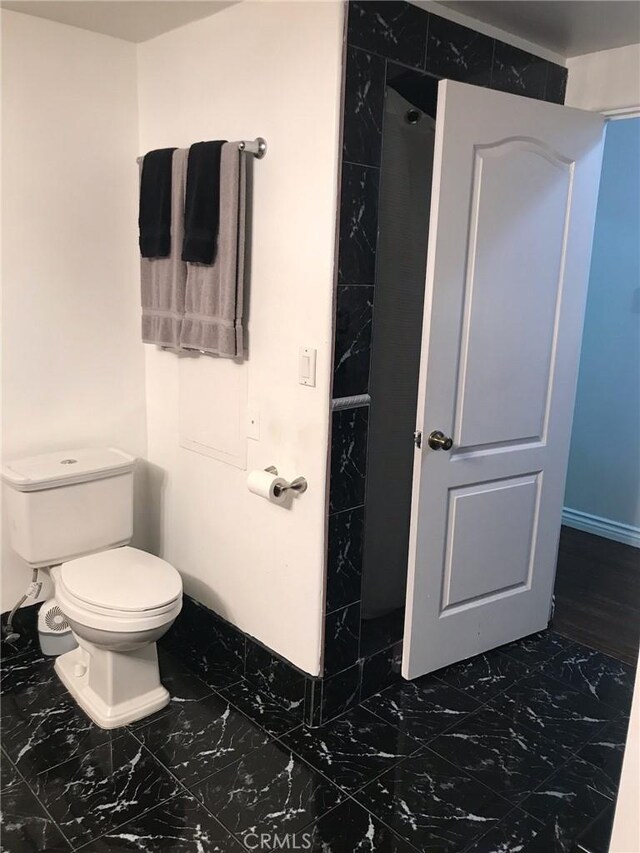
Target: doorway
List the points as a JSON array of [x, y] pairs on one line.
[[597, 591], [404, 202]]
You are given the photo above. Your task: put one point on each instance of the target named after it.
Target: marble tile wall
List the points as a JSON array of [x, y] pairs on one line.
[[382, 39], [220, 654]]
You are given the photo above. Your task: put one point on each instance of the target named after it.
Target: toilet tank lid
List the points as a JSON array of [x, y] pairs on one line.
[[65, 467]]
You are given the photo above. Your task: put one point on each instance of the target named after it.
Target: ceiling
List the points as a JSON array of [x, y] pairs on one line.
[[568, 27], [132, 20]]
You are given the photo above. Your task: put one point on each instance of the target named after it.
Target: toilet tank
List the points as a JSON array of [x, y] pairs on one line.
[[66, 504]]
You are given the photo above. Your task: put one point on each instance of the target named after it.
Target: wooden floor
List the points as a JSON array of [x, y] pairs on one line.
[[597, 593]]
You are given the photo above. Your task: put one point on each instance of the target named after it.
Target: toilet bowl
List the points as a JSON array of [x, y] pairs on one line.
[[118, 603]]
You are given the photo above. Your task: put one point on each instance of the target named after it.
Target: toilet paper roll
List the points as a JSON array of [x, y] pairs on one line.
[[265, 484]]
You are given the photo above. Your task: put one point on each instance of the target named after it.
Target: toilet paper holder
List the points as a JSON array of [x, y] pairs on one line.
[[298, 485]]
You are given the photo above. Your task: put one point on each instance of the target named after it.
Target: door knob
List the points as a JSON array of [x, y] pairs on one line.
[[438, 441]]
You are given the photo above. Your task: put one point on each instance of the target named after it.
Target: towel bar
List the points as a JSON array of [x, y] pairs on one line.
[[257, 147]]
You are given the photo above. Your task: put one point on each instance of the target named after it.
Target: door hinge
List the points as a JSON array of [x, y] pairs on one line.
[[417, 438]]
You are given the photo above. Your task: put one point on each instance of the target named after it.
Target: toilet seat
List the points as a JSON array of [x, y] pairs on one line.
[[123, 589]]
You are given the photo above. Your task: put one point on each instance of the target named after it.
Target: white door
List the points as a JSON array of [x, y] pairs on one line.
[[513, 205]]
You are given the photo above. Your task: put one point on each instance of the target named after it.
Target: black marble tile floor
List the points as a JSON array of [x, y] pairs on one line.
[[518, 749]]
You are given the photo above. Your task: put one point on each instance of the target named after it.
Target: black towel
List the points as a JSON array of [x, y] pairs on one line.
[[154, 215], [202, 203]]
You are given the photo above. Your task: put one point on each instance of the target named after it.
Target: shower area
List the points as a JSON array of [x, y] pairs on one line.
[[404, 202]]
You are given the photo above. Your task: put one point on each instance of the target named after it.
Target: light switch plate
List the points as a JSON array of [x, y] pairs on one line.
[[307, 366]]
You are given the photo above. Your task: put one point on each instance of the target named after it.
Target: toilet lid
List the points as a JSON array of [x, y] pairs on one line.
[[122, 579]]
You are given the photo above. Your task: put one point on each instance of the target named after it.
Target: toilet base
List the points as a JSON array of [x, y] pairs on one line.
[[113, 688]]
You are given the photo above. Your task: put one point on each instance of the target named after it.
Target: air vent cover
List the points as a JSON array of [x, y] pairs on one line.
[[54, 631], [55, 619]]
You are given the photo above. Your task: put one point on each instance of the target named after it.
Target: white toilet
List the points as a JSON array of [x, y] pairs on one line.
[[72, 512]]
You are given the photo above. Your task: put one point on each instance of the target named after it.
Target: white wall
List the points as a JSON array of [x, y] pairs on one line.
[[603, 480], [274, 70], [605, 80], [599, 499], [73, 366]]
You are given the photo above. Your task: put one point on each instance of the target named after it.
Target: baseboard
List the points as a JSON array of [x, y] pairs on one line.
[[605, 527]]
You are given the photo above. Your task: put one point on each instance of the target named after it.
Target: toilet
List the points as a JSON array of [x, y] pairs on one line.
[[72, 512]]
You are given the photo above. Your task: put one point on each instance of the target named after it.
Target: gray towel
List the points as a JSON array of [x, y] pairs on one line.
[[213, 303], [164, 280]]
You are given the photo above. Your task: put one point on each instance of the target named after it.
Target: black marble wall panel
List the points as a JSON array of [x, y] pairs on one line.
[[458, 53], [358, 224], [354, 318], [556, 83], [222, 655], [340, 692], [313, 701], [363, 107], [518, 72], [392, 29], [349, 431], [276, 677], [342, 638], [214, 648], [344, 572]]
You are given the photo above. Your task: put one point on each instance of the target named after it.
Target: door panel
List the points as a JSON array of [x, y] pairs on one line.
[[472, 537], [513, 206], [516, 341]]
